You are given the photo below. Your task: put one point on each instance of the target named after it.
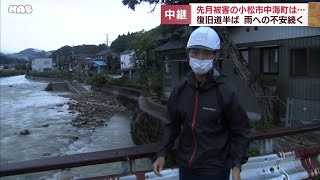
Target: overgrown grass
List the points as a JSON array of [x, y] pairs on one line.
[[8, 72], [126, 83], [99, 80], [55, 74], [254, 152], [156, 84], [263, 125]]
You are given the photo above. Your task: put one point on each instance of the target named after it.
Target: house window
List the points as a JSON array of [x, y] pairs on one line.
[[305, 62], [269, 58], [46, 62], [245, 54], [167, 67]]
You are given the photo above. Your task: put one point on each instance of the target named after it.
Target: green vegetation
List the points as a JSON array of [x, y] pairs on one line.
[[148, 66], [262, 125], [122, 42], [99, 80], [254, 152], [113, 65], [66, 51], [126, 82], [156, 84], [144, 59], [10, 60], [54, 74], [160, 34], [8, 72]]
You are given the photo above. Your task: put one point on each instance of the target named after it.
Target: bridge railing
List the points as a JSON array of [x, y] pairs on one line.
[[123, 154]]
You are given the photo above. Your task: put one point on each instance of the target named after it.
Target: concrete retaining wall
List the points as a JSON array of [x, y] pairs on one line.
[[59, 86], [128, 93], [50, 79], [147, 121], [71, 88]]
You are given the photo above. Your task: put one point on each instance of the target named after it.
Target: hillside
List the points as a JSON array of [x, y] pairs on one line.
[[161, 34], [4, 59], [30, 53]]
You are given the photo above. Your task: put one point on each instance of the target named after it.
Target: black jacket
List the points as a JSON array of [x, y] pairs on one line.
[[214, 129]]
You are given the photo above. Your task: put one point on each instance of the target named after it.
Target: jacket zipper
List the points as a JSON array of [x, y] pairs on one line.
[[192, 129]]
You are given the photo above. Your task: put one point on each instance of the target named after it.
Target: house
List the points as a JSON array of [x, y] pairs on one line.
[[174, 62], [84, 66], [76, 62], [127, 68], [41, 64], [288, 57], [101, 55], [99, 66], [105, 54]]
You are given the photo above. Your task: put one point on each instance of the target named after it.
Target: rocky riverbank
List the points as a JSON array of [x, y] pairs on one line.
[[93, 110]]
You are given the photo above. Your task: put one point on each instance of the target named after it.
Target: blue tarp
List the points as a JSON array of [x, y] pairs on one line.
[[99, 63]]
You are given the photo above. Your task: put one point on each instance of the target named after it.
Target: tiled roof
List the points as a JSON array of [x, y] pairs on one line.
[[171, 45], [126, 52], [80, 56], [102, 52], [84, 61]]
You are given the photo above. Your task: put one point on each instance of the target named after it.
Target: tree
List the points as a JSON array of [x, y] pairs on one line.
[[4, 59], [113, 63], [122, 42], [264, 93], [145, 61], [20, 67]]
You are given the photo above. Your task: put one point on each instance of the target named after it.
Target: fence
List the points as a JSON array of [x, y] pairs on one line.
[[302, 111]]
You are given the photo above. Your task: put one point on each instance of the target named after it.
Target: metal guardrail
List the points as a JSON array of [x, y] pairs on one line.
[[78, 160], [123, 154], [301, 163]]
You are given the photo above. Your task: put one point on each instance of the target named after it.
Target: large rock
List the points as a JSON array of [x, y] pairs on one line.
[[24, 132], [49, 87]]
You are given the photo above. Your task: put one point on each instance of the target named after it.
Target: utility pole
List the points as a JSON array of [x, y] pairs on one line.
[[107, 40], [61, 56], [57, 61], [72, 52]]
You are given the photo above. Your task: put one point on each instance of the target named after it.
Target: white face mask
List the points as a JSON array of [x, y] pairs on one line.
[[200, 66]]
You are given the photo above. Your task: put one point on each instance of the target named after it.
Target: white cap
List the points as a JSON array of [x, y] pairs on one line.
[[204, 38]]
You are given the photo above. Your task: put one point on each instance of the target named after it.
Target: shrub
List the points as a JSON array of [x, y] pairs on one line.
[[7, 73], [98, 80], [156, 84], [254, 152], [57, 74]]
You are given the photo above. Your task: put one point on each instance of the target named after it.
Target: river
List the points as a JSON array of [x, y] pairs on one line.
[[25, 105]]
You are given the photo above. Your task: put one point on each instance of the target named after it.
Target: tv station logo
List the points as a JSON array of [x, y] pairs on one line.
[[20, 9]]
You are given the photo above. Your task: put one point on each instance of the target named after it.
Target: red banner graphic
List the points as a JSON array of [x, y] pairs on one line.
[[175, 14]]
